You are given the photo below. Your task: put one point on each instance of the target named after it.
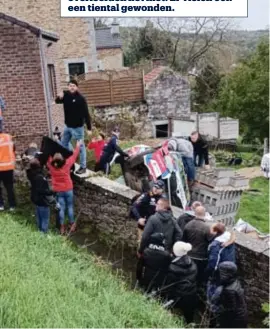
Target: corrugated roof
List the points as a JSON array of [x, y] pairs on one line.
[[34, 29], [105, 39]]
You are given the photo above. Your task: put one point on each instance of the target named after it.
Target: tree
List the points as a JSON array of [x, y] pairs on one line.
[[150, 43], [244, 94], [193, 38], [206, 87]]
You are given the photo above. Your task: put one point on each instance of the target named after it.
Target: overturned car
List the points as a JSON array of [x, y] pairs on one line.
[[147, 164]]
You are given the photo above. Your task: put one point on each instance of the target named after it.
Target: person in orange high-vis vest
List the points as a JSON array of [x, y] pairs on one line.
[[7, 166]]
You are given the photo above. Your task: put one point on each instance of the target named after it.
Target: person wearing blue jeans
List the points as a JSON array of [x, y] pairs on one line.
[[76, 115], [43, 218], [41, 195], [185, 148], [65, 200]]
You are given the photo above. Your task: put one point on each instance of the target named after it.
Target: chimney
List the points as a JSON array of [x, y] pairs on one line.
[[115, 28], [156, 62]]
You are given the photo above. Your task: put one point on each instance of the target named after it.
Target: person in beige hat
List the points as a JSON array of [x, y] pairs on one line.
[[181, 280]]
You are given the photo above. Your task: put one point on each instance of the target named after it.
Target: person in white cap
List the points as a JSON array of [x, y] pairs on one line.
[[181, 280]]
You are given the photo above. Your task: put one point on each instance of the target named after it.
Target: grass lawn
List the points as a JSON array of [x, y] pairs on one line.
[[254, 208], [47, 283]]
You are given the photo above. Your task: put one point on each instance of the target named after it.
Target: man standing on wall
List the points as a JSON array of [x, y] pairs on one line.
[[201, 156], [76, 115]]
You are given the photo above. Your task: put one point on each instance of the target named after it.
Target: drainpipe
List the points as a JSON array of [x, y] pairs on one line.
[[46, 85]]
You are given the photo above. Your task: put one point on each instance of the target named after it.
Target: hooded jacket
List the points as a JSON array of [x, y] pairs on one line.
[[181, 278], [217, 254], [183, 146], [161, 222], [109, 150], [61, 179], [185, 218], [153, 265], [41, 194], [230, 298], [144, 206]]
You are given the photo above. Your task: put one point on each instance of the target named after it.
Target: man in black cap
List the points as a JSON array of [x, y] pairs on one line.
[[76, 115]]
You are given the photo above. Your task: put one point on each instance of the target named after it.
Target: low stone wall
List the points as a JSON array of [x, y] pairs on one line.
[[105, 205]]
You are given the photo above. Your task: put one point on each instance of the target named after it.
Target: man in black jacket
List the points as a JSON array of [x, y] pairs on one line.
[[153, 264], [188, 215], [76, 115], [161, 222], [200, 147]]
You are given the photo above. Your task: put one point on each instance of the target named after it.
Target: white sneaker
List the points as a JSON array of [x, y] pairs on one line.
[[11, 209], [2, 208]]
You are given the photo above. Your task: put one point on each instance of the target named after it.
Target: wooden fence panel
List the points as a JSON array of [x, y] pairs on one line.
[[112, 87]]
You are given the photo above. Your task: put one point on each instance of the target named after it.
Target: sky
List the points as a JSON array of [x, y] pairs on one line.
[[258, 16]]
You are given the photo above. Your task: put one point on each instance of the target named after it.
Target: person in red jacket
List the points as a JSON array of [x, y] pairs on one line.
[[63, 186], [97, 145]]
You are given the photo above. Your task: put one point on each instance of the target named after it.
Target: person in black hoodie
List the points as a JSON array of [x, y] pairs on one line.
[[200, 147], [41, 195], [108, 153], [153, 264], [76, 115], [161, 222], [180, 284], [228, 301]]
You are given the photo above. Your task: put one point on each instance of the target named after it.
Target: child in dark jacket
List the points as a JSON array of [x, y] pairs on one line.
[[109, 151], [228, 303], [41, 195]]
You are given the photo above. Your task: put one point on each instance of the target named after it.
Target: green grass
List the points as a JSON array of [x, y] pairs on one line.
[[254, 208], [46, 282]]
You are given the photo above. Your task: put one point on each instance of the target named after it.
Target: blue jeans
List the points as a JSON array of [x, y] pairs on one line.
[[200, 159], [43, 216], [77, 134], [189, 168], [65, 199]]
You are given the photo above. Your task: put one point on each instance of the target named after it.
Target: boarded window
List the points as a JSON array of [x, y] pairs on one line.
[[52, 81]]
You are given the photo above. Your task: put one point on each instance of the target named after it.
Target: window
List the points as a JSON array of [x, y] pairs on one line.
[[162, 131], [52, 80], [75, 69]]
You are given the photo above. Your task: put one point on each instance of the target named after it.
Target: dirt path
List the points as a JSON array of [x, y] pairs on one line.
[[251, 172]]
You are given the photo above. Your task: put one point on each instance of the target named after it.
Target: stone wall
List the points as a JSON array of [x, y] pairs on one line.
[[168, 96], [131, 118], [110, 59], [105, 204]]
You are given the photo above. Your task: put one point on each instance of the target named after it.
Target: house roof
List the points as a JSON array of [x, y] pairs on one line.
[[34, 29], [105, 39], [153, 75]]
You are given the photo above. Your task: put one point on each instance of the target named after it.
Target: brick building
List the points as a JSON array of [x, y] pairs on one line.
[[109, 48], [27, 81], [76, 49]]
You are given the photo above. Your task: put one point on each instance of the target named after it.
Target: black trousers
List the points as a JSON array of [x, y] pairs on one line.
[[188, 305], [6, 177]]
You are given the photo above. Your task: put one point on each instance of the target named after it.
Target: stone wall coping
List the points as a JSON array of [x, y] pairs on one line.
[[112, 186], [253, 244]]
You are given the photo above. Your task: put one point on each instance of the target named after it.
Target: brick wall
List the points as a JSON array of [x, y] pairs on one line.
[[111, 59], [75, 33], [21, 84]]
